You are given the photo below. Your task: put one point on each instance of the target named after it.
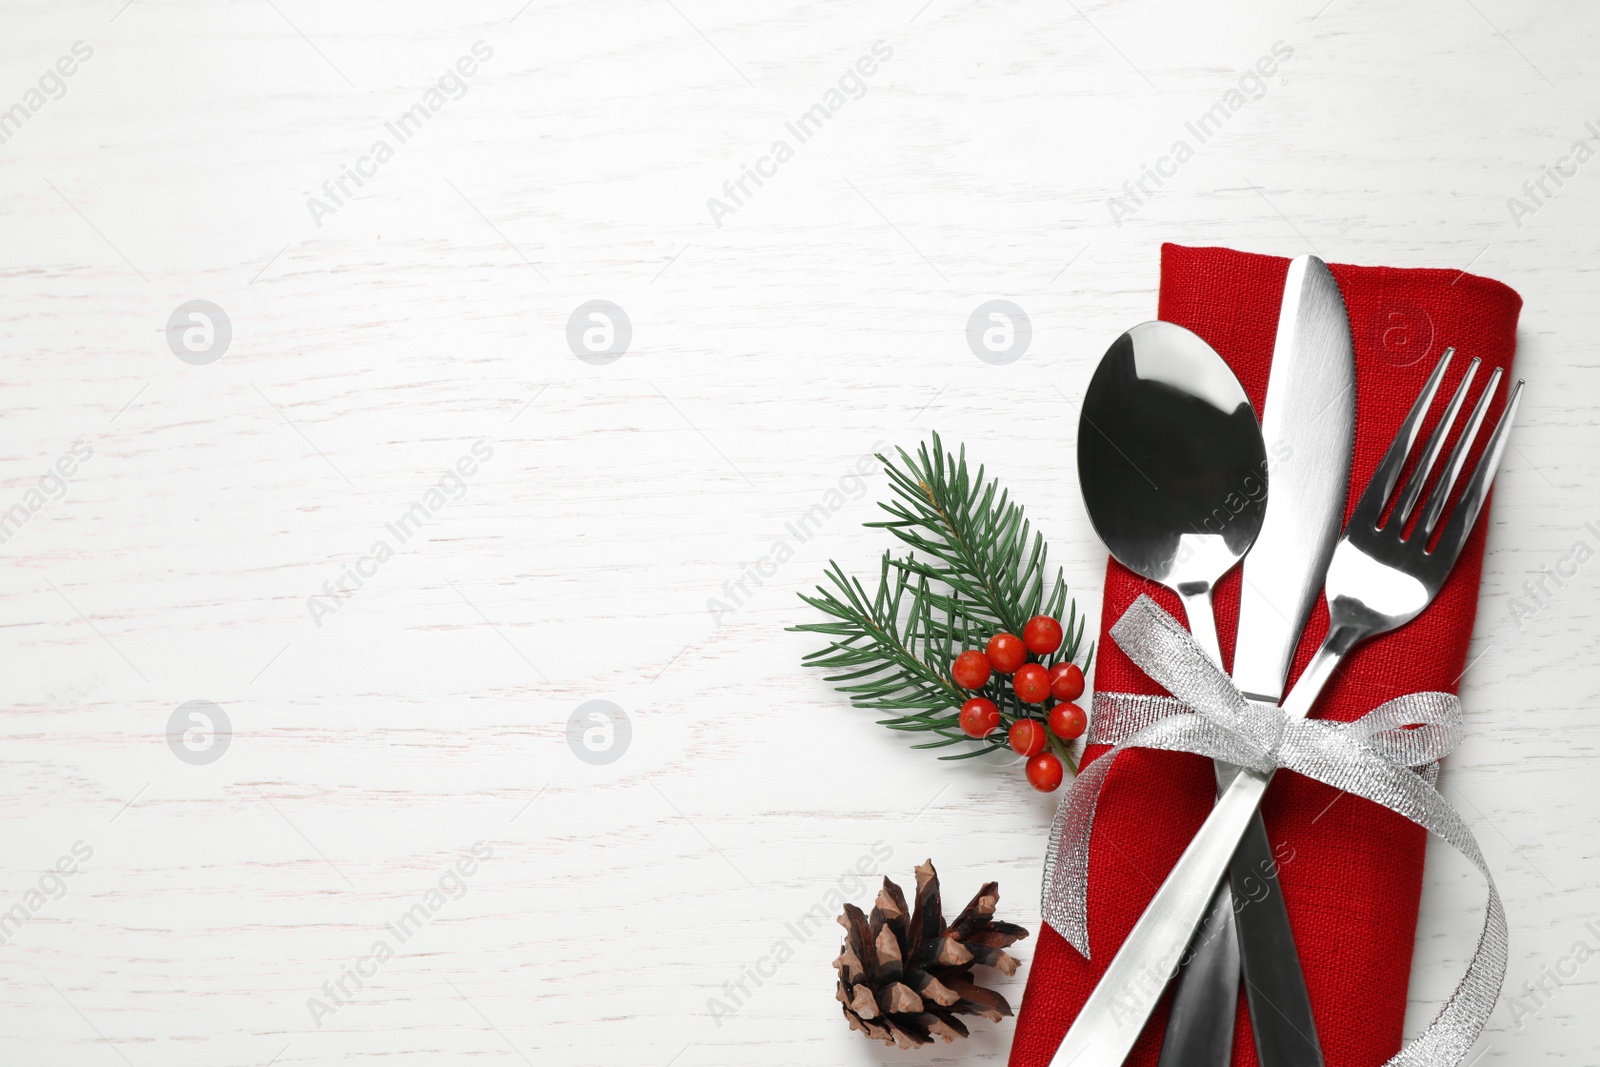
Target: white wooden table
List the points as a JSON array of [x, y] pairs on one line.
[[378, 733]]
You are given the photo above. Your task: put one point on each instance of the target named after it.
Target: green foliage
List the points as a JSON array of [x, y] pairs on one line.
[[972, 568]]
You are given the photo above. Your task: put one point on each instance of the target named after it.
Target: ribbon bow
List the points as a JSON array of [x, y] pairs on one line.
[[1387, 756]]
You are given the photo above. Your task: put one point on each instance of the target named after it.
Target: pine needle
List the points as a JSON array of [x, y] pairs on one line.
[[972, 568]]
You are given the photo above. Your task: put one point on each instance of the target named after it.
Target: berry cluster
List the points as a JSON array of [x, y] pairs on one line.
[[1034, 686]]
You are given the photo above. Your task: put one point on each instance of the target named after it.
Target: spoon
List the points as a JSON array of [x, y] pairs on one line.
[[1173, 470], [1172, 465]]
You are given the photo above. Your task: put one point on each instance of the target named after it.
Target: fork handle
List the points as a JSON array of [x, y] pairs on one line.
[[1342, 637], [1111, 1019]]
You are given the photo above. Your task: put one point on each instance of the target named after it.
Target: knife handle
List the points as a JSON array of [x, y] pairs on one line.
[[1280, 1008], [1206, 992], [1205, 995]]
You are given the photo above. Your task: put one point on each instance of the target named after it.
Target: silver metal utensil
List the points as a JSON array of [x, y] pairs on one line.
[[1378, 581], [1173, 471], [1309, 426], [1172, 465]]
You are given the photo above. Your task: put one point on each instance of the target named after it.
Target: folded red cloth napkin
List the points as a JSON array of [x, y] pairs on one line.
[[1351, 871]]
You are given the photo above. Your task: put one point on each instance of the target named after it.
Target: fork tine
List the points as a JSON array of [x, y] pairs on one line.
[[1370, 506], [1472, 498], [1458, 459], [1413, 489]]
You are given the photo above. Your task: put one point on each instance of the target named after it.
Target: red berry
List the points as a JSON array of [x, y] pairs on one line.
[[971, 669], [1066, 681], [1042, 635], [979, 717], [1006, 652], [1067, 721], [1027, 737], [1032, 683], [1044, 772]]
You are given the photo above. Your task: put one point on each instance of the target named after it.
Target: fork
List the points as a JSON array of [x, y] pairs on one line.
[[1379, 580]]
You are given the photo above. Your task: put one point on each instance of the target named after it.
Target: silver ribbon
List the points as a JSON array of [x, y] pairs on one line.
[[1387, 756]]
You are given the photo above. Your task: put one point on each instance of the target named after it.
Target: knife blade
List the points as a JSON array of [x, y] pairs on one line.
[[1308, 422]]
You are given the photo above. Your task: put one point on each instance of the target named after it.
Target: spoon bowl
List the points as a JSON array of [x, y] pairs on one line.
[[1172, 465]]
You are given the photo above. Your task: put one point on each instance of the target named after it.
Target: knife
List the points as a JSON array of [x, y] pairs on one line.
[[1308, 422]]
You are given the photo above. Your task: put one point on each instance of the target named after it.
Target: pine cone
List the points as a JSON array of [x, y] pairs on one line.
[[904, 976]]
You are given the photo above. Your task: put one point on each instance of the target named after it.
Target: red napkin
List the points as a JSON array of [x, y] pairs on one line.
[[1351, 871]]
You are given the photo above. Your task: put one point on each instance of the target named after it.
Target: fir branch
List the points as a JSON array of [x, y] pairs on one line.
[[973, 568], [965, 533], [880, 648]]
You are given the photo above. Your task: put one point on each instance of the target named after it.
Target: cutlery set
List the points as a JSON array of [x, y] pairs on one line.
[[1178, 483]]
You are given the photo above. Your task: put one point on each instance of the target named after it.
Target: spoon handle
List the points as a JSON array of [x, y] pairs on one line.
[[1247, 925], [1201, 1023], [1202, 624]]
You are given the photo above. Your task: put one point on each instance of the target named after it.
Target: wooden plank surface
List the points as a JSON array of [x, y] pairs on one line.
[[218, 536]]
